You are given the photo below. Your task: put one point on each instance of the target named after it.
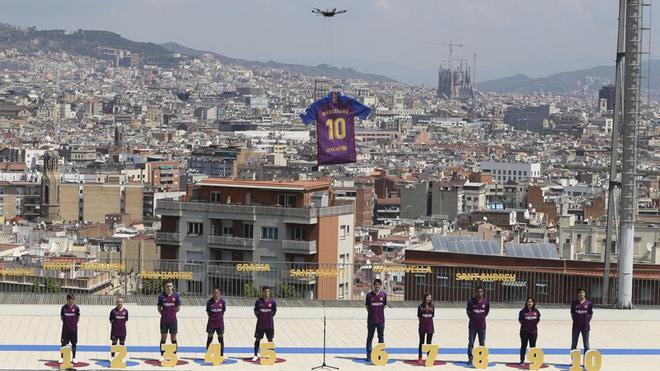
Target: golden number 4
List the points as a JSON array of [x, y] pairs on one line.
[[379, 355], [432, 351], [480, 357], [169, 357], [535, 357], [120, 356], [336, 128], [268, 356], [67, 359], [213, 355]]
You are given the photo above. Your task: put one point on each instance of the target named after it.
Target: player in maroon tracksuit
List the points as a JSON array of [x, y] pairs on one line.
[[264, 309], [118, 319], [375, 302], [529, 318], [70, 314], [216, 308], [425, 313], [582, 310], [477, 310]]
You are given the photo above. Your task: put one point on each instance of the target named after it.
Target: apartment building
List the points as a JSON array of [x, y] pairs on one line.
[[503, 172], [263, 222]]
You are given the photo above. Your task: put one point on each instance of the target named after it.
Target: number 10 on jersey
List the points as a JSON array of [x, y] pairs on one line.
[[336, 128]]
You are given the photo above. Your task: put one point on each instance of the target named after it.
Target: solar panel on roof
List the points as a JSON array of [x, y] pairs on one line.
[[532, 250]]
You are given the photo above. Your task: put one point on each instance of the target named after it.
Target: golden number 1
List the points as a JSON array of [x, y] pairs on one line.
[[593, 360], [169, 356], [120, 355], [480, 355], [213, 355], [379, 355], [575, 360], [336, 128], [66, 358], [432, 351], [535, 357], [268, 356]]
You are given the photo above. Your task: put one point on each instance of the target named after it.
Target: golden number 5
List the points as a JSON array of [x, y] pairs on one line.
[[268, 356]]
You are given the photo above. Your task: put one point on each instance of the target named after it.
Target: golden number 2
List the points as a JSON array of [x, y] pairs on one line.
[[120, 355], [535, 357], [480, 359], [336, 128], [432, 351], [213, 355], [268, 356], [170, 359]]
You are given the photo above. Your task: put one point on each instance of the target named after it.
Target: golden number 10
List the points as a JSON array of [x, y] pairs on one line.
[[593, 360], [336, 128], [535, 357]]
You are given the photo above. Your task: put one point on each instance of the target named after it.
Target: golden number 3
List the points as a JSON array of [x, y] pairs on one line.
[[169, 356], [379, 355], [593, 360], [66, 358], [268, 356], [535, 357], [336, 128], [120, 355], [480, 355], [431, 351], [213, 355]]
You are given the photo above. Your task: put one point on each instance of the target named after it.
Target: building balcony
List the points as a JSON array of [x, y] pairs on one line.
[[299, 247], [233, 243], [168, 238], [295, 215]]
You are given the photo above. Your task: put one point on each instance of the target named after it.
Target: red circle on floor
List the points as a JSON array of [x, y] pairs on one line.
[[415, 362], [249, 360], [155, 362], [523, 366], [56, 364]]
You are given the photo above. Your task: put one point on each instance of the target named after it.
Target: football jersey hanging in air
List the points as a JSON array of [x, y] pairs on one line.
[[335, 127]]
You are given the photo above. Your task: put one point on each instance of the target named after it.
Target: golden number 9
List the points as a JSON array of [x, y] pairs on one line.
[[535, 357], [593, 360], [268, 356], [169, 356], [120, 355], [336, 128], [379, 355], [66, 358], [213, 355], [480, 357], [432, 351]]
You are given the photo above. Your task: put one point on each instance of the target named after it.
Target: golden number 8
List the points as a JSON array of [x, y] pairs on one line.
[[480, 357]]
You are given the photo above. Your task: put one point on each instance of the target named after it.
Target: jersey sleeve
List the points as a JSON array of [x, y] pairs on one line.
[[310, 113], [208, 307], [274, 309], [256, 306], [419, 311], [384, 298], [112, 316], [359, 109], [178, 300], [224, 306], [62, 312], [160, 301], [77, 311], [126, 315]]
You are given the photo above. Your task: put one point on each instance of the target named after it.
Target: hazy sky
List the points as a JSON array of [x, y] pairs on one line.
[[397, 38]]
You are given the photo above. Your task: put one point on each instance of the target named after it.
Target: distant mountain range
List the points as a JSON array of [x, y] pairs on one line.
[[580, 81], [86, 42]]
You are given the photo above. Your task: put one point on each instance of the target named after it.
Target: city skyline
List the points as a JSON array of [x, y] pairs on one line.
[[560, 35]]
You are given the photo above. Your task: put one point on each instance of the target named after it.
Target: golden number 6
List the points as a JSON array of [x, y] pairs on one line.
[[379, 355], [120, 355], [432, 351], [268, 356], [535, 357], [336, 128], [170, 359], [213, 355], [480, 357]]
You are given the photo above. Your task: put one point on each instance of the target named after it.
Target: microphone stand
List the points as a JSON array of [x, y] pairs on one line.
[[324, 365]]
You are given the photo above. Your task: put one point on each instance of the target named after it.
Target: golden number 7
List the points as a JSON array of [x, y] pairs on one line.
[[432, 351], [336, 128]]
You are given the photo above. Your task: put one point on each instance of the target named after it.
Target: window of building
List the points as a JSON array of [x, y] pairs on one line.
[[342, 232], [443, 281], [541, 288], [297, 233], [287, 200], [248, 230], [195, 229], [228, 230], [525, 173], [268, 233], [420, 279], [215, 196]]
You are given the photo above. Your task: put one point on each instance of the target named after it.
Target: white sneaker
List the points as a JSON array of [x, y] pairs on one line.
[[61, 361], [161, 359], [255, 358], [73, 361]]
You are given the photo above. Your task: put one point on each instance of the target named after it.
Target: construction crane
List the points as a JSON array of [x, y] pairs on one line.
[[451, 46]]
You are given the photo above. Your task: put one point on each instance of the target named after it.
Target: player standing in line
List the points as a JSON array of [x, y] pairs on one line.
[[118, 319], [70, 314], [582, 310], [264, 309], [169, 304], [477, 310], [216, 308], [375, 303], [425, 313], [529, 318]]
